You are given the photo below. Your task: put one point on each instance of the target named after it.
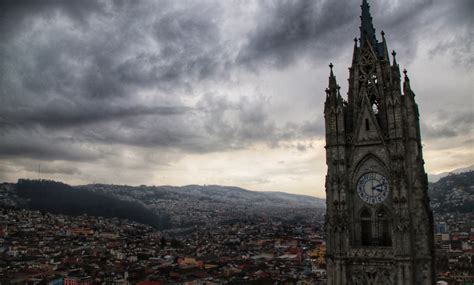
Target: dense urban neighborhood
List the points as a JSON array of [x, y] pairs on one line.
[[224, 246], [452, 201], [40, 248]]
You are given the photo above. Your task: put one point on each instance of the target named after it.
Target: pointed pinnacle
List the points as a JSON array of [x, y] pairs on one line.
[[332, 78], [331, 66], [367, 31], [394, 54], [406, 75], [406, 85]]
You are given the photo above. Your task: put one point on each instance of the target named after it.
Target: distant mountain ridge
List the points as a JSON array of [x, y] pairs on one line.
[[201, 205], [216, 193], [162, 206], [436, 177], [239, 195], [213, 204]]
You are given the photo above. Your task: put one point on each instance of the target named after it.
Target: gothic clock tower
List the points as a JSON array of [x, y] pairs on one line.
[[379, 225]]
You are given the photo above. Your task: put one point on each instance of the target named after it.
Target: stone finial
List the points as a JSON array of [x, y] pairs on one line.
[[394, 54]]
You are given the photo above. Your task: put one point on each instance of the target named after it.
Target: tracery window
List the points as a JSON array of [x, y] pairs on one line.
[[375, 230], [366, 227], [383, 228]]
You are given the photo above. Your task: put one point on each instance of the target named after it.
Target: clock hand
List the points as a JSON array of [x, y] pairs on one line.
[[380, 184], [378, 189]]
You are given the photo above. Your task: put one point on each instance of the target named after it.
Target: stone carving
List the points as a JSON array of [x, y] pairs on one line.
[[371, 253], [373, 275]]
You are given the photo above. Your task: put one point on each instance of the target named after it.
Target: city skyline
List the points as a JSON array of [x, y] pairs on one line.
[[213, 93]]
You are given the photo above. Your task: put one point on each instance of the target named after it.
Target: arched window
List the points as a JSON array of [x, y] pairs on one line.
[[366, 227], [384, 237], [374, 103]]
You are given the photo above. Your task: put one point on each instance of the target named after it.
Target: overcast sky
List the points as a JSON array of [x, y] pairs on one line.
[[212, 92]]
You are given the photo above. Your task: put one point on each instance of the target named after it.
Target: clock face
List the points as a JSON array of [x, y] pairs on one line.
[[372, 188]]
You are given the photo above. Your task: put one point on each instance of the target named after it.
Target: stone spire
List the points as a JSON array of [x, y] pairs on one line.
[[385, 48], [332, 92], [355, 53], [395, 71], [332, 78], [406, 85], [394, 54], [367, 30]]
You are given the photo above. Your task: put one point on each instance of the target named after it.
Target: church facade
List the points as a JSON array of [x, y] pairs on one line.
[[379, 224]]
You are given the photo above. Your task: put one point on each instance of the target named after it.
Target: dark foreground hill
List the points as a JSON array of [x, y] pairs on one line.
[[59, 198]]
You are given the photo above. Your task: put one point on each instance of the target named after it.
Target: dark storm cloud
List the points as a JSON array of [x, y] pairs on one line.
[[290, 28], [14, 14], [236, 124], [216, 124], [461, 12], [149, 133], [164, 47], [445, 126], [459, 41], [459, 50], [35, 144], [85, 60], [74, 74], [247, 121], [68, 72], [189, 41], [187, 50], [406, 24], [60, 113], [322, 29], [311, 129]]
